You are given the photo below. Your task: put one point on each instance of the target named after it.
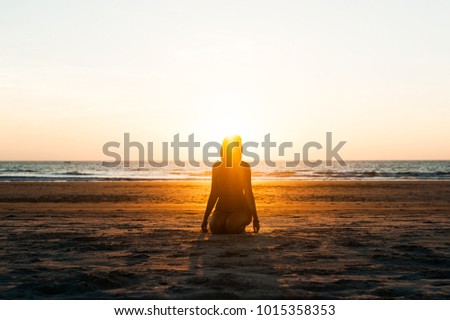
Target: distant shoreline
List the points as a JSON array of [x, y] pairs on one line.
[[353, 171]]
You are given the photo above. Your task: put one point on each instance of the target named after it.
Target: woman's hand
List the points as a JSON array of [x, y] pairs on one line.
[[205, 225], [256, 225]]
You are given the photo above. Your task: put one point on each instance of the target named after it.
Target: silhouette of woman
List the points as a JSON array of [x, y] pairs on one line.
[[231, 188]]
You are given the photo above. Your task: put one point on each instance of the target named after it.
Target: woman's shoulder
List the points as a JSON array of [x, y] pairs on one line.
[[245, 164]]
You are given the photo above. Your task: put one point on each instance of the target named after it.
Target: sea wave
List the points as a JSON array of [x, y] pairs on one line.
[[75, 173], [93, 171]]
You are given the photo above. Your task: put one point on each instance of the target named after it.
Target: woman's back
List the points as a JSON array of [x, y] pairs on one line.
[[230, 186]]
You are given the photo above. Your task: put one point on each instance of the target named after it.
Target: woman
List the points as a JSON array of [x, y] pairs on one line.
[[231, 188]]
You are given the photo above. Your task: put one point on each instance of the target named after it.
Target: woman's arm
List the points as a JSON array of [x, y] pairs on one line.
[[248, 191], [213, 196]]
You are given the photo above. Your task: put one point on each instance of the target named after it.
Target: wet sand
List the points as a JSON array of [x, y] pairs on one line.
[[142, 240]]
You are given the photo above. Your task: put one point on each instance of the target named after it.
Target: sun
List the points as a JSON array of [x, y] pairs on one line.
[[222, 116]]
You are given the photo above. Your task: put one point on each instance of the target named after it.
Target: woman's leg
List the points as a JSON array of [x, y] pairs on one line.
[[217, 222], [237, 221]]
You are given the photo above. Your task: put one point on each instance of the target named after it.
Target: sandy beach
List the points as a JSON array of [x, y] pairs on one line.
[[142, 240]]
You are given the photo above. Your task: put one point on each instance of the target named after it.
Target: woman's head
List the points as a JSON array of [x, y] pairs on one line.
[[231, 151]]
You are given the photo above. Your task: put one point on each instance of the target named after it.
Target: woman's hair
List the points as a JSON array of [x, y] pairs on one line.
[[231, 151]]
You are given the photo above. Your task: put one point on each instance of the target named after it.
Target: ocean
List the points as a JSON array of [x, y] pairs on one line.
[[94, 171]]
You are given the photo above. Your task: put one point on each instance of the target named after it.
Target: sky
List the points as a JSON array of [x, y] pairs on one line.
[[77, 74]]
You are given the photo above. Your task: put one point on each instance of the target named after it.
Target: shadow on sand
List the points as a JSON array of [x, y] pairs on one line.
[[232, 267]]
